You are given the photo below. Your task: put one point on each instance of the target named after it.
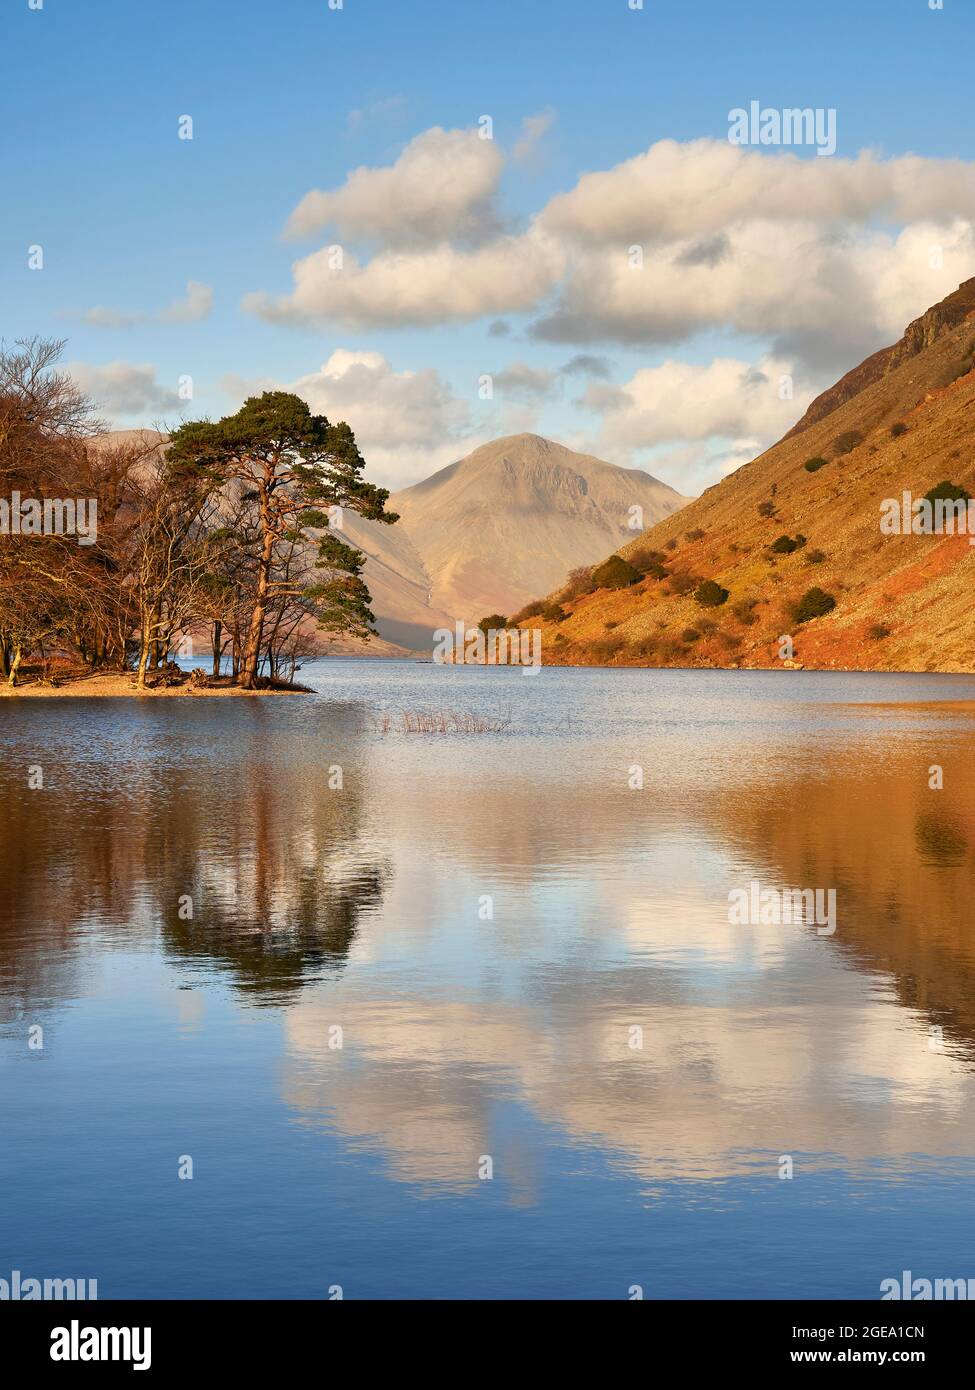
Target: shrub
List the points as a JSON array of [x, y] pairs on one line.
[[683, 583], [530, 610], [813, 465], [814, 603], [555, 614], [646, 560], [706, 626], [615, 573], [815, 557], [671, 544], [744, 611], [609, 626], [766, 508], [846, 442], [696, 535], [653, 569], [495, 621], [878, 632], [606, 648], [580, 582], [897, 430], [690, 634], [711, 595], [784, 545], [946, 492]]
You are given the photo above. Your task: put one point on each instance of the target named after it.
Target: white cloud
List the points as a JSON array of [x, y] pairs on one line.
[[830, 298], [674, 191], [441, 187], [125, 388], [684, 401], [102, 317], [194, 307], [430, 286], [823, 259]]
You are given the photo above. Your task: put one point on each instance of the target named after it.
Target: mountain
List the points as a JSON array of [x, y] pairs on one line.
[[509, 520], [903, 420], [399, 586]]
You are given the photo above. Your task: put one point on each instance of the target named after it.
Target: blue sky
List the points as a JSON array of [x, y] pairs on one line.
[[290, 97]]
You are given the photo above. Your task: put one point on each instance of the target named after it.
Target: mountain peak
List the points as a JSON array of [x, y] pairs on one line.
[[505, 523]]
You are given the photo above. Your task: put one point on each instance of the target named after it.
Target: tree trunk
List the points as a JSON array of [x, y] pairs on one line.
[[252, 651], [145, 650], [217, 647], [15, 664]]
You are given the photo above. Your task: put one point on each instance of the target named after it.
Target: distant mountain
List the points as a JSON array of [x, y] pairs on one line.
[[903, 420], [508, 521], [486, 534]]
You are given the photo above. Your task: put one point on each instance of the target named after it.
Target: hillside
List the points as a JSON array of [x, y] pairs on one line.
[[902, 420], [512, 518]]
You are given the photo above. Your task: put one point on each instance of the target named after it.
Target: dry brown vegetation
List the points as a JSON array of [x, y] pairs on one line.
[[902, 602]]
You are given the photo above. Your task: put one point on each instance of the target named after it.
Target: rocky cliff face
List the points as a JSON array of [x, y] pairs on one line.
[[919, 335]]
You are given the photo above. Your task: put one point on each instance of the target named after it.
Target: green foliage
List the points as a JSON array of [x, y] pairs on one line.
[[555, 613], [785, 545], [946, 492], [813, 465], [290, 468], [814, 603], [710, 594], [494, 622], [615, 573]]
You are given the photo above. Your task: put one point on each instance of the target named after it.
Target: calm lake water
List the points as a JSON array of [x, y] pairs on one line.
[[489, 919]]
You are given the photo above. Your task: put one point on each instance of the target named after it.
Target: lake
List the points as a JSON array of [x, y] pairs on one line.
[[464, 1015]]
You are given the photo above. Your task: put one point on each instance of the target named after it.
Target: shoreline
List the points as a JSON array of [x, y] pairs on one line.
[[115, 685]]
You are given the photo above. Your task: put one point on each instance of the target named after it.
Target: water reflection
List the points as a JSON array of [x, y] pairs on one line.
[[493, 922], [226, 857]]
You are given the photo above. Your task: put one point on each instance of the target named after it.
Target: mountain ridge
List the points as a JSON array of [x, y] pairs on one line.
[[902, 602]]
